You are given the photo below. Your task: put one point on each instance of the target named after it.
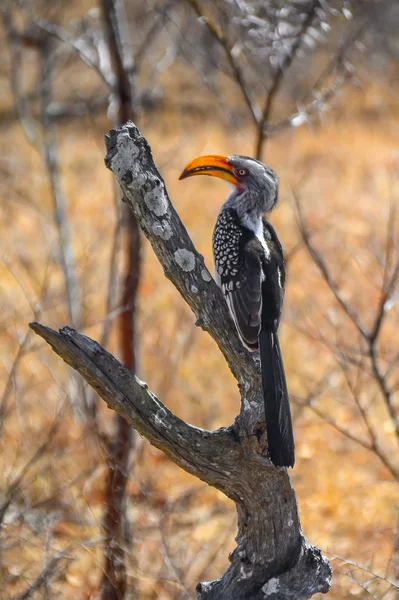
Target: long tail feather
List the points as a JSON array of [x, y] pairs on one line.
[[280, 435]]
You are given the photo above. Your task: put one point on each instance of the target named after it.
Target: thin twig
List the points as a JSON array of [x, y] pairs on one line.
[[386, 391], [322, 95], [80, 46], [374, 443], [23, 349], [322, 266], [14, 487], [253, 108], [60, 203], [278, 80], [28, 123], [348, 434], [47, 573], [394, 583]]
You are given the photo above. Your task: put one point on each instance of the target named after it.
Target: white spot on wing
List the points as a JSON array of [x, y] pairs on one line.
[[279, 277]]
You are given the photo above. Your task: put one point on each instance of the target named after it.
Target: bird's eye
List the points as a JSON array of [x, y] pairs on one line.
[[242, 172]]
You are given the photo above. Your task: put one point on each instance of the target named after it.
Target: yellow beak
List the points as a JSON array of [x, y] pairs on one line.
[[211, 164]]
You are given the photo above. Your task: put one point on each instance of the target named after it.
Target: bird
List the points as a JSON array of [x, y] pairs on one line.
[[249, 269]]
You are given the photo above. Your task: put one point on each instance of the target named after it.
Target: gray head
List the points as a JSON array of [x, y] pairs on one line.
[[255, 184]]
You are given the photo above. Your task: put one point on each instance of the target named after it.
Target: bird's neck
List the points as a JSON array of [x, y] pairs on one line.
[[249, 213], [248, 208]]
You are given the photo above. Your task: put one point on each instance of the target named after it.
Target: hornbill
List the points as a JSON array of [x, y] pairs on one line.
[[249, 268]]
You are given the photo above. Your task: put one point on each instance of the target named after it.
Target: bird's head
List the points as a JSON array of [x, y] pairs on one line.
[[253, 181]]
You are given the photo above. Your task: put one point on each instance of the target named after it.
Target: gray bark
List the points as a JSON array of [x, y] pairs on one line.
[[272, 558]]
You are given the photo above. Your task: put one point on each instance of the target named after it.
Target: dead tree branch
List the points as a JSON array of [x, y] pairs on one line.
[[120, 449], [191, 448], [272, 558], [52, 160]]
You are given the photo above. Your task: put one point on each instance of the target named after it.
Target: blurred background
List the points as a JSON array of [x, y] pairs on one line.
[[87, 508]]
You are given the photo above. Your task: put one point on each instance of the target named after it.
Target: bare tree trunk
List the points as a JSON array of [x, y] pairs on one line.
[[114, 582], [272, 559]]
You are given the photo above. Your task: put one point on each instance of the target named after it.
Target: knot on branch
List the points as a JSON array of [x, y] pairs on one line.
[[311, 574]]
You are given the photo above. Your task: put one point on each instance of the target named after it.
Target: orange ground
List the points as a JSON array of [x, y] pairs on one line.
[[345, 172]]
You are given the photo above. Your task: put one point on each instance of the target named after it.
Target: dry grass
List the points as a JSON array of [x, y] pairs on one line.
[[344, 171]]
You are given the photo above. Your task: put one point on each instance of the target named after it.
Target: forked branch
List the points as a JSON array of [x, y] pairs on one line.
[[272, 558], [188, 446]]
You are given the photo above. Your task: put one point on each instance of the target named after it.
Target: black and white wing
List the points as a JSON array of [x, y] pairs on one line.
[[273, 285], [238, 271]]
